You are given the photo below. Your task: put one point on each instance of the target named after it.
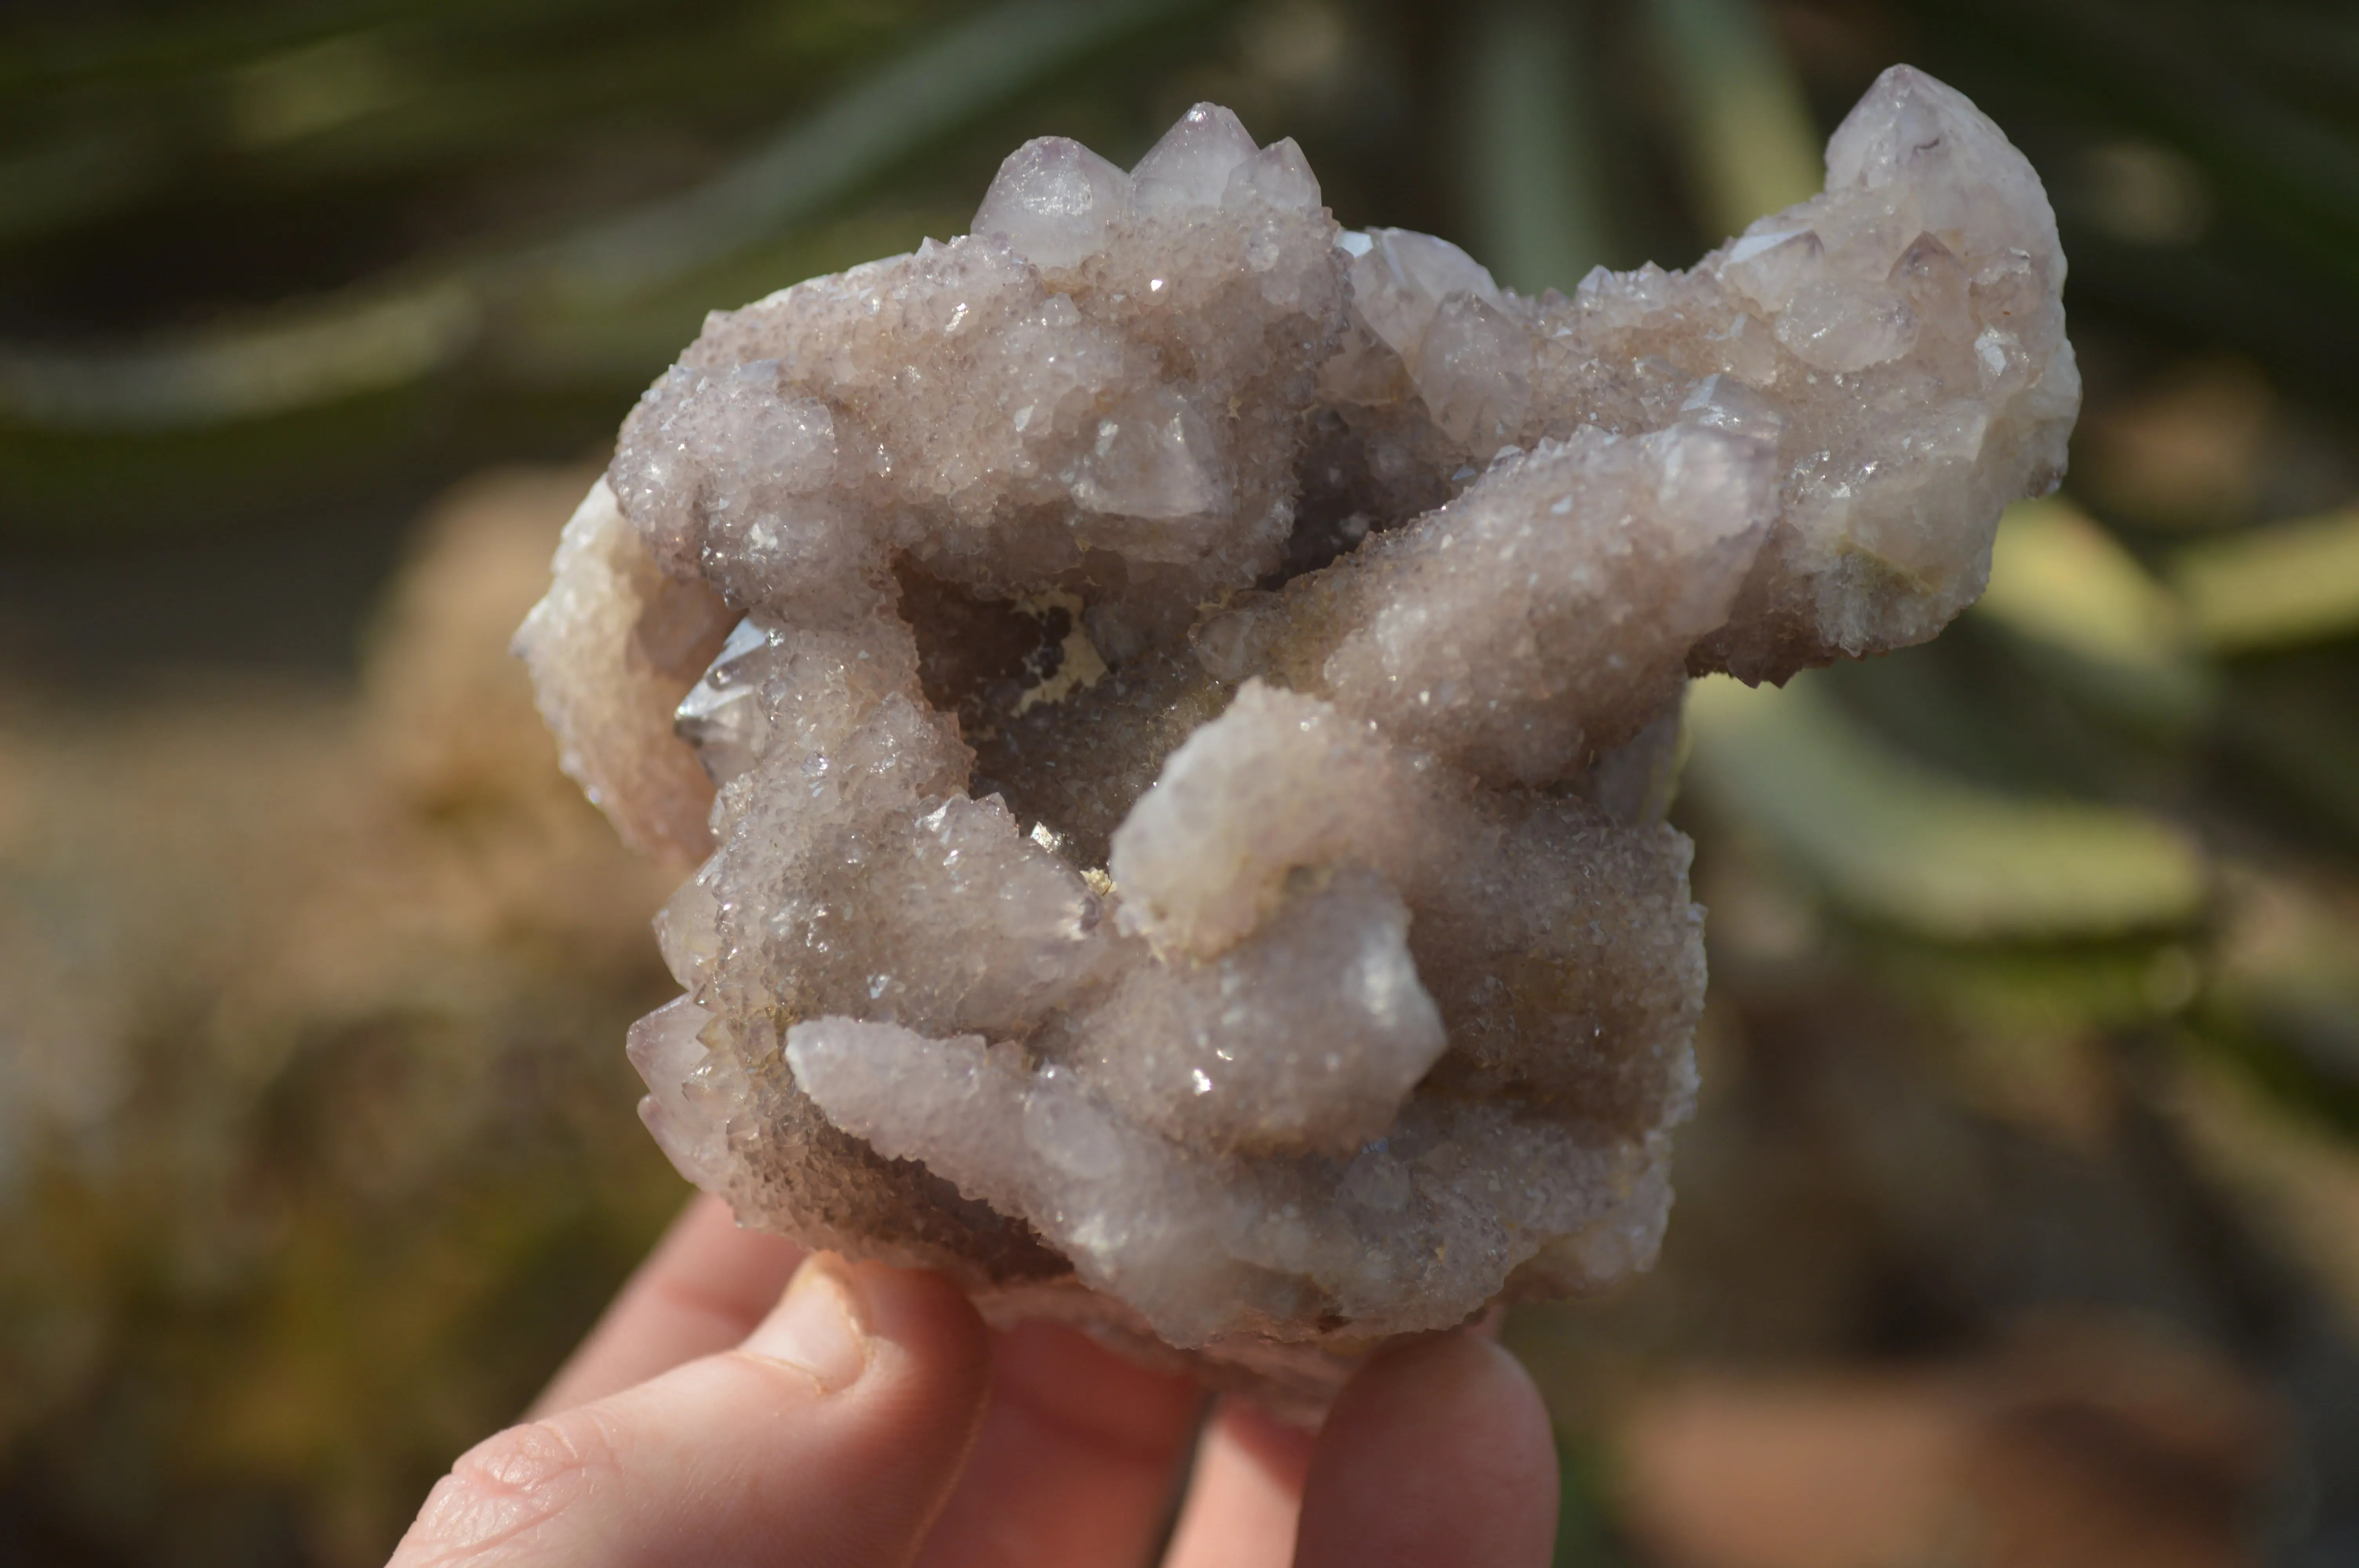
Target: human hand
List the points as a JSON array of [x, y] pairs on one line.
[[868, 1417]]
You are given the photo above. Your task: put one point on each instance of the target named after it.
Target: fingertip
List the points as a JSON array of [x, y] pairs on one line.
[[1437, 1454], [1246, 1495], [1280, 1449], [908, 1421], [1450, 1378], [898, 1356], [1075, 1460], [927, 1342]]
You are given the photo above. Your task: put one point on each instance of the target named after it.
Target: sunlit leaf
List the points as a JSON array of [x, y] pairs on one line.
[[2092, 619], [1892, 839], [2290, 582]]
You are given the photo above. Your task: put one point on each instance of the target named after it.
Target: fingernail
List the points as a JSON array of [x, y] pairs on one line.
[[818, 1325]]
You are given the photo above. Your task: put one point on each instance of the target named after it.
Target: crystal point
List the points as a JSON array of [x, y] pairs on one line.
[[1055, 203]]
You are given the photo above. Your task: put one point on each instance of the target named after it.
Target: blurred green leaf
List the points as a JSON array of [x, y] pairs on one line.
[[1539, 209], [2290, 582], [1892, 839], [1752, 145], [297, 359], [398, 331], [2092, 619]]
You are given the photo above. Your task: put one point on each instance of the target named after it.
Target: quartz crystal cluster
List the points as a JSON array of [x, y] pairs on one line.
[[1176, 703]]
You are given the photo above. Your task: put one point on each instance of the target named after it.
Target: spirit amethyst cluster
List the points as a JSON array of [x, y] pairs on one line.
[[1175, 703]]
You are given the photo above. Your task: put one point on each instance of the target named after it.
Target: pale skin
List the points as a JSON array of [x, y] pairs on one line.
[[741, 1403]]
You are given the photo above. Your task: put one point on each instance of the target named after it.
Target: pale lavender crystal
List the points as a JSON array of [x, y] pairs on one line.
[[1190, 697]]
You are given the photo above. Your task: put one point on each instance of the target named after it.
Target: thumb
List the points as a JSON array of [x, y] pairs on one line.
[[1437, 1455], [830, 1437]]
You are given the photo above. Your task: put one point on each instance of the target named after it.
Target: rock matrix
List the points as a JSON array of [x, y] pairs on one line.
[[1176, 703]]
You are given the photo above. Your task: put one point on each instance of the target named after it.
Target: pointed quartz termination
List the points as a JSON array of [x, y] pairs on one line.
[[1177, 704]]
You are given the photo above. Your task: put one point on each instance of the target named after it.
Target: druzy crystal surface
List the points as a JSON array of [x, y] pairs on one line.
[[1176, 703]]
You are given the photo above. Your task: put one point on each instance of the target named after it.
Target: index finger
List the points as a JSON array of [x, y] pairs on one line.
[[703, 1290]]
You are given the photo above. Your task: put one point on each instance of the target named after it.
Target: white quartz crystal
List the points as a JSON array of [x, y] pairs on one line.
[[1177, 703]]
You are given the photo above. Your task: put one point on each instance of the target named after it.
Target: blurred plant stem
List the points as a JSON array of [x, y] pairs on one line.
[[1537, 208], [1750, 143]]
